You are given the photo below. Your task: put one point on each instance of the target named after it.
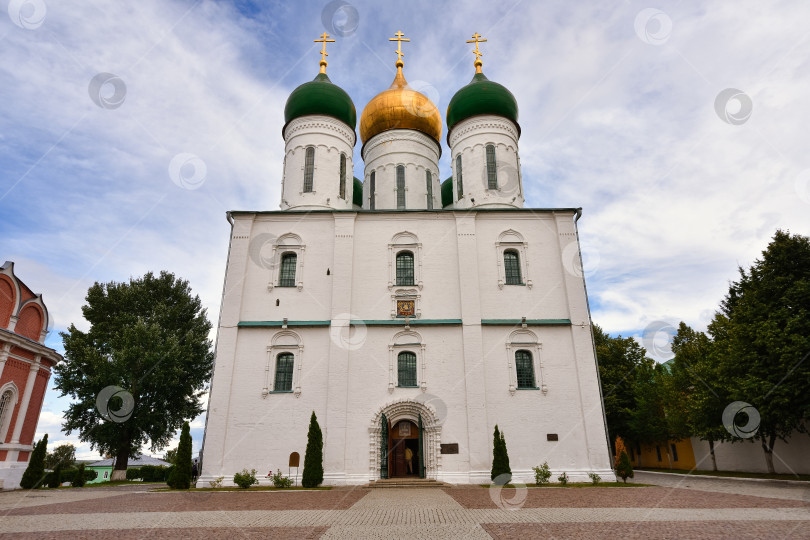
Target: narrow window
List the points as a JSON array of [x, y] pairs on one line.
[[400, 187], [342, 176], [492, 174], [284, 373], [309, 168], [286, 277], [525, 369], [674, 453], [658, 452], [429, 180], [511, 266], [459, 182], [406, 365], [371, 188], [5, 406], [404, 268], [105, 474]]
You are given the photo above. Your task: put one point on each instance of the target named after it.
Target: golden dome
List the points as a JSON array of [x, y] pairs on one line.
[[400, 107]]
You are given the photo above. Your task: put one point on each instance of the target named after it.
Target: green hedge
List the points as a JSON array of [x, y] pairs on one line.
[[67, 476], [149, 473]]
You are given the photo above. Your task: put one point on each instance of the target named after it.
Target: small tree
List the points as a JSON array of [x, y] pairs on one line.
[[180, 477], [55, 478], [500, 459], [35, 472], [78, 478], [625, 468], [170, 456], [619, 449], [313, 458], [64, 454]]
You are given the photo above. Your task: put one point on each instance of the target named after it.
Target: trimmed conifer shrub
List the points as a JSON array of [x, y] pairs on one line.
[[620, 447], [625, 468], [180, 477], [313, 459], [501, 473], [54, 478], [78, 478], [35, 472]]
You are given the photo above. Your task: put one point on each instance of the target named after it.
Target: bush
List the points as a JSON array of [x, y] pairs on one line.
[[134, 473], [35, 472], [625, 468], [282, 481], [245, 479], [78, 478], [563, 479], [595, 478], [54, 478], [153, 473], [542, 473], [180, 477], [313, 458], [216, 482], [501, 472], [620, 447]]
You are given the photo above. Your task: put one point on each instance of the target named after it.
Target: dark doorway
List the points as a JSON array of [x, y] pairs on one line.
[[404, 443]]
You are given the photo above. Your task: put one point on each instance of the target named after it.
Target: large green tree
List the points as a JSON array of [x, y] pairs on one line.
[[313, 458], [141, 368], [763, 336], [64, 454], [620, 360]]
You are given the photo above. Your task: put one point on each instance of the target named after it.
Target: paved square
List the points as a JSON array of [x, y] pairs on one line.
[[684, 508]]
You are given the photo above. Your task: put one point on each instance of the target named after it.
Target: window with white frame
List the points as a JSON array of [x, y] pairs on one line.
[[405, 261], [512, 259], [492, 168], [285, 356], [523, 349], [309, 168], [407, 364], [8, 399], [288, 262]]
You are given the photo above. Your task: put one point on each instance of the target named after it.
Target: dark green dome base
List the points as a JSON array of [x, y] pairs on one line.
[[320, 96], [481, 96]]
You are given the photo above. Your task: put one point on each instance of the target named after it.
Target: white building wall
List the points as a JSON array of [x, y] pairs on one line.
[[330, 138], [469, 139], [345, 373], [789, 457], [415, 151]]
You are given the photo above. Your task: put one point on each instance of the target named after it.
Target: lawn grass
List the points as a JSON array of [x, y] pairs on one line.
[[237, 488], [575, 485], [732, 474]]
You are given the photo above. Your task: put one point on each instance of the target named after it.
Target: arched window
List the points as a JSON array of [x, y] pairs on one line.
[[342, 175], [5, 407], [492, 172], [400, 187], [284, 373], [309, 168], [459, 182], [406, 369], [511, 266], [525, 369], [286, 277], [372, 185], [429, 180], [404, 268]]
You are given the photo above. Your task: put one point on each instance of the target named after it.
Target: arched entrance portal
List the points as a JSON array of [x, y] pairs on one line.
[[404, 454], [422, 435]]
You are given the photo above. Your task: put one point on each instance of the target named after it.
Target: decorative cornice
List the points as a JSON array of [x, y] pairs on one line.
[[397, 135], [30, 345], [319, 123], [483, 123]]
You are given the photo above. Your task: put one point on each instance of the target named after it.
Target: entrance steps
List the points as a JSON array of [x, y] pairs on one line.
[[406, 483]]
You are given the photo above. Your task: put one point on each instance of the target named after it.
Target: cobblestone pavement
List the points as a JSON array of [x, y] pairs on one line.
[[778, 489], [458, 512]]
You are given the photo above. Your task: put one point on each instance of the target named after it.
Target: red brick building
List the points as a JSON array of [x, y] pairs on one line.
[[25, 367]]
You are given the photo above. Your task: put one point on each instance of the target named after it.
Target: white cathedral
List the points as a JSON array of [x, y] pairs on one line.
[[411, 315]]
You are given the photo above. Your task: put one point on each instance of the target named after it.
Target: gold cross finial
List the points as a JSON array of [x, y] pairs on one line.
[[399, 52], [324, 39], [478, 54]]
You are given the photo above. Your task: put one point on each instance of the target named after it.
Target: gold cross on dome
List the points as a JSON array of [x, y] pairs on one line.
[[324, 39], [399, 41], [478, 54]]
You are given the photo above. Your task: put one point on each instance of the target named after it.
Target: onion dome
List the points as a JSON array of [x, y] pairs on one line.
[[400, 107], [320, 96], [447, 192], [357, 192]]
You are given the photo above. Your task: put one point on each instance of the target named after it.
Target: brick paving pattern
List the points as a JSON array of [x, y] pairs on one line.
[[132, 512]]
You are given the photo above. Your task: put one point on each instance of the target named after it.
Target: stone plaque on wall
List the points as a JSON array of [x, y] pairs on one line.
[[451, 448]]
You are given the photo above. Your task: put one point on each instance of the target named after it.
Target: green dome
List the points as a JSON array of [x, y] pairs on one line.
[[481, 96], [447, 192], [320, 96], [357, 192]]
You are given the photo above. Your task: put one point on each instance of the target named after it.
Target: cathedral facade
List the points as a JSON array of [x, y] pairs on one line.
[[412, 315]]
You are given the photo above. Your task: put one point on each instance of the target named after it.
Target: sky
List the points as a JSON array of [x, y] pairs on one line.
[[128, 129]]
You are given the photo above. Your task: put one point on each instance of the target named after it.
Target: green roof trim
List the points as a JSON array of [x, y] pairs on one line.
[[447, 192], [412, 322], [357, 192], [481, 96], [320, 96], [279, 324], [533, 322]]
